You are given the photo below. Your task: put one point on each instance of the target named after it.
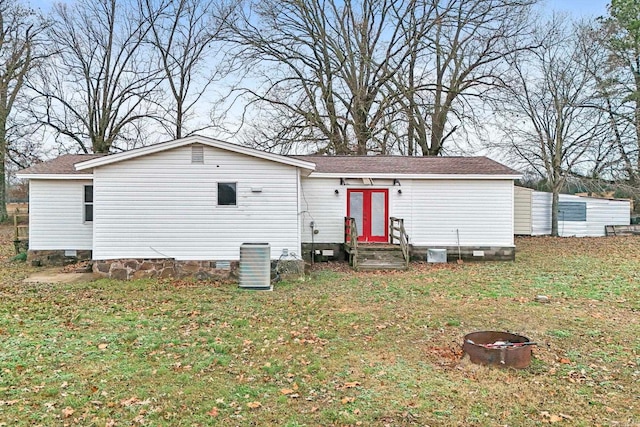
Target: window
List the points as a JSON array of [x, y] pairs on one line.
[[226, 194], [88, 203], [572, 211]]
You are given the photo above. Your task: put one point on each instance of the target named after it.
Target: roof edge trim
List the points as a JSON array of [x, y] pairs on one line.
[[83, 176], [196, 139], [413, 176]]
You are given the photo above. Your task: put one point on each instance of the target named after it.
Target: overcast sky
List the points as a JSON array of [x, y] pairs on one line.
[[582, 8]]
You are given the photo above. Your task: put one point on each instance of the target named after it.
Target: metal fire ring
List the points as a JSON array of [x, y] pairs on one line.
[[498, 348]]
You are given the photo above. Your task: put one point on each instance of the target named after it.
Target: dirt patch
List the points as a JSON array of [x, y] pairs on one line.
[[54, 275]]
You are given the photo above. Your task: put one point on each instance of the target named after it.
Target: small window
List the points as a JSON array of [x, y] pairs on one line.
[[197, 154], [88, 203], [572, 211], [226, 194]]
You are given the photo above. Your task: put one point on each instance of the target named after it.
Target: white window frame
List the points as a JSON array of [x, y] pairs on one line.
[[85, 204]]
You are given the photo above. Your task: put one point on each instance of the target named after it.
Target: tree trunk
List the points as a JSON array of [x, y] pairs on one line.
[[555, 202], [179, 118], [438, 123], [3, 172], [634, 173]]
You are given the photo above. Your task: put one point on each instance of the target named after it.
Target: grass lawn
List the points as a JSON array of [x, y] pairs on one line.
[[340, 348]]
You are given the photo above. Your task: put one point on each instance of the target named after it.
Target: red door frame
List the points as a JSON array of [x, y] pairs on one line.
[[364, 235]]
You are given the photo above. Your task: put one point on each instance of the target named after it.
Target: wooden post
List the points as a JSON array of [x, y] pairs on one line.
[[16, 236]]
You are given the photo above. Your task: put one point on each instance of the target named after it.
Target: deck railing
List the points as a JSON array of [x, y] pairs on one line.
[[21, 230], [351, 240], [397, 232]]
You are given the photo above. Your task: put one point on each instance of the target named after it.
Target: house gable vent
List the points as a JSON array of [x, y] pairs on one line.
[[197, 154]]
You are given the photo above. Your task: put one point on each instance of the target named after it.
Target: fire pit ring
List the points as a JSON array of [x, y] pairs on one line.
[[498, 348]]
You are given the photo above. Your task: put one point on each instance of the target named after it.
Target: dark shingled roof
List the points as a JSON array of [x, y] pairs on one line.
[[408, 165], [61, 165], [334, 164]]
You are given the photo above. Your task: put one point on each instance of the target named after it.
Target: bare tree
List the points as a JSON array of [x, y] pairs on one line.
[[98, 91], [363, 76], [458, 47], [551, 124], [322, 66], [21, 49], [620, 85], [183, 33]]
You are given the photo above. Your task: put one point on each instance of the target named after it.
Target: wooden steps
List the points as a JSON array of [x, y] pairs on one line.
[[372, 256]]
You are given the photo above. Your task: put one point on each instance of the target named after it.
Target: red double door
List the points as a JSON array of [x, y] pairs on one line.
[[370, 209]]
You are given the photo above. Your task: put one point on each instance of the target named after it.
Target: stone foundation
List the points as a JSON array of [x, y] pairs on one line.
[[126, 269], [467, 253], [56, 258], [227, 271]]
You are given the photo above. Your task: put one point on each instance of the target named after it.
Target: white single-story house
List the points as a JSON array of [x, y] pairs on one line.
[[578, 216], [196, 200]]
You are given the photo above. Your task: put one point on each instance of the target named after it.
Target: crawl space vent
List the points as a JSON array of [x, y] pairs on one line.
[[197, 154]]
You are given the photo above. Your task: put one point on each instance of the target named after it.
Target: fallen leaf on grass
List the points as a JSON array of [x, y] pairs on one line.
[[67, 412], [553, 418], [346, 400], [351, 384], [213, 412], [565, 361], [133, 401], [103, 346], [286, 391], [254, 405]]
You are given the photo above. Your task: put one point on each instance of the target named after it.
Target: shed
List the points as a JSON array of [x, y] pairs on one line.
[[578, 216], [523, 200]]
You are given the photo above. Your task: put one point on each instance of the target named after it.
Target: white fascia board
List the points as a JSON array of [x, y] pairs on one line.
[[163, 146], [411, 176], [55, 176]]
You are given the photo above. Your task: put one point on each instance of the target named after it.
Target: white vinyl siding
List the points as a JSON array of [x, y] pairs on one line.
[[320, 203], [56, 215], [162, 205], [481, 210], [600, 213]]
